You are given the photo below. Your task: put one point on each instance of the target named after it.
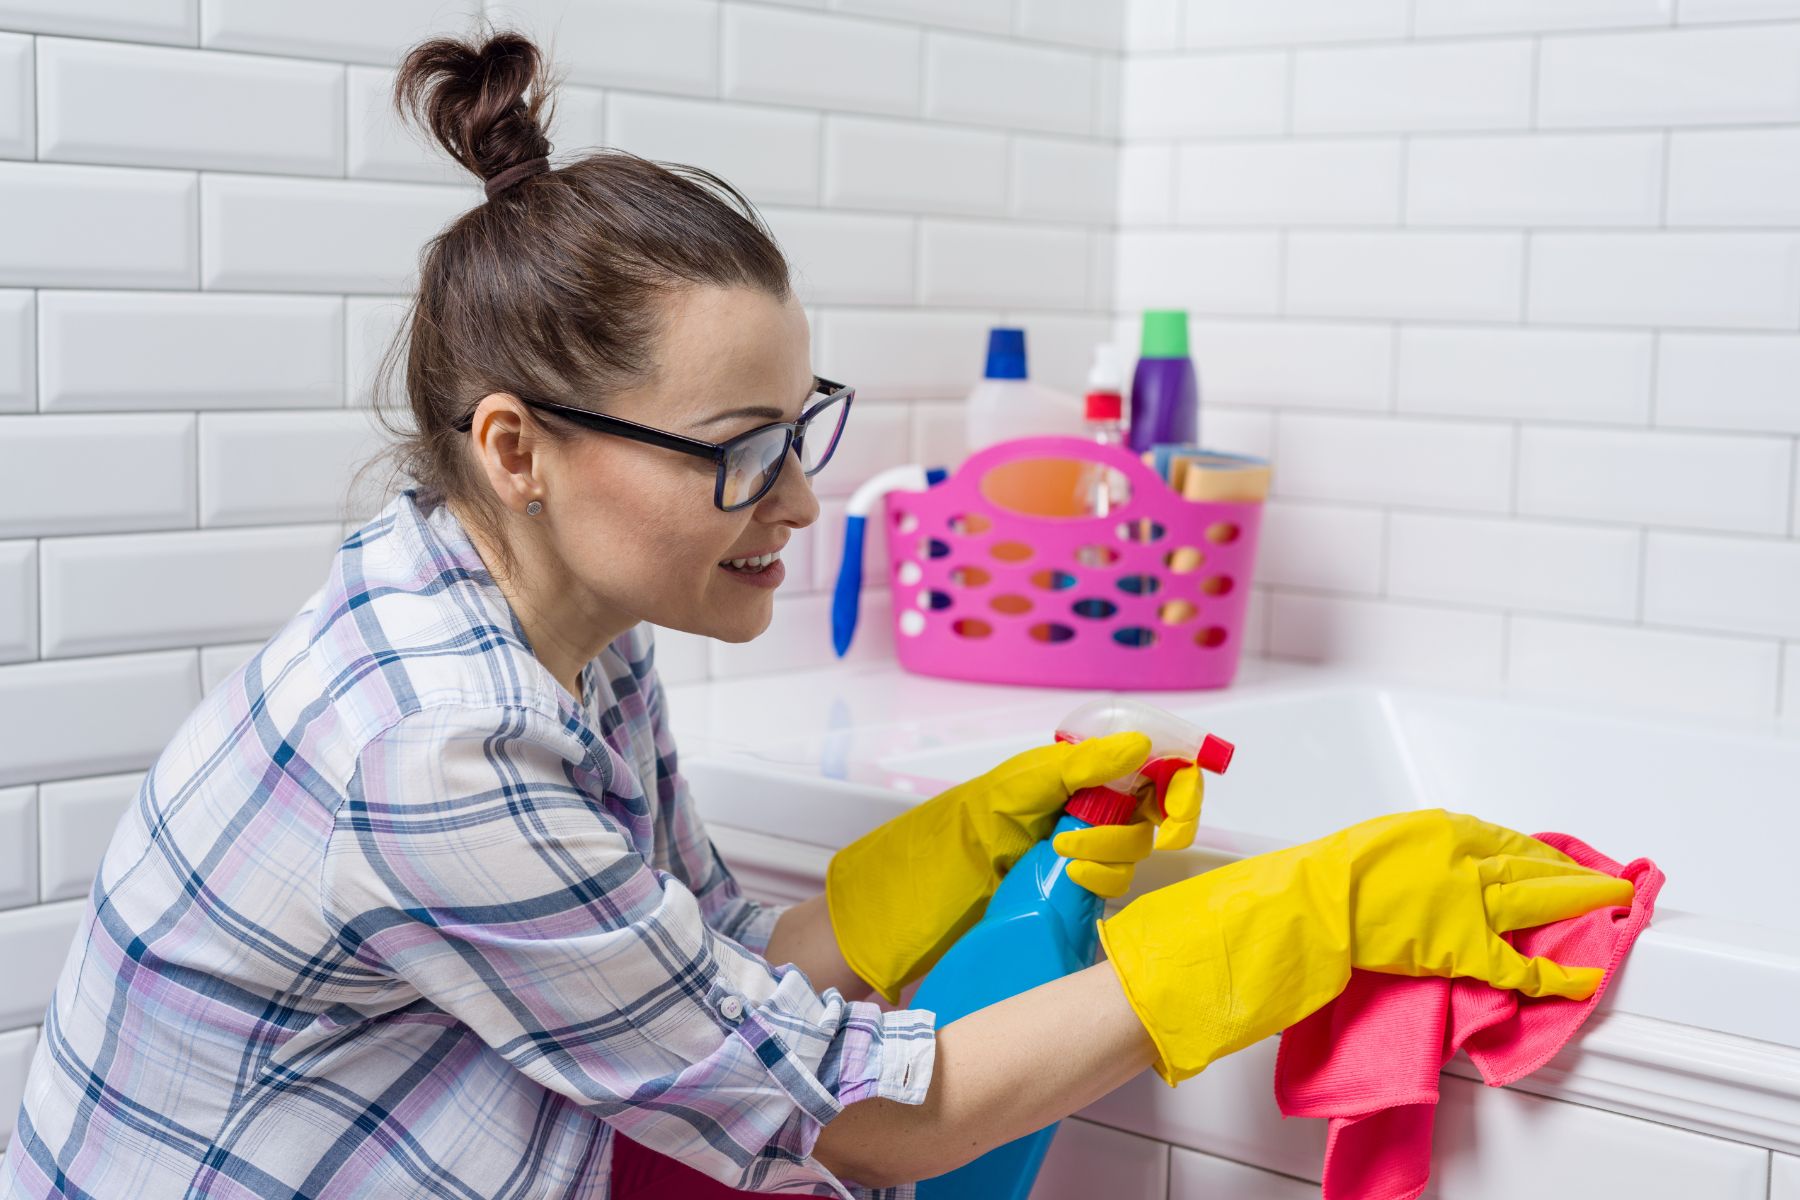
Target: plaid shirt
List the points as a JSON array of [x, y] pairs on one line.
[[394, 915]]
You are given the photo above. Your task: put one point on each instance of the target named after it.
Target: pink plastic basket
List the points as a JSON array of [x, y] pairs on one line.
[[985, 593]]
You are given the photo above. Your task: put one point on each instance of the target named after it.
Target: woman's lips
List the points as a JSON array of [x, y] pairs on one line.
[[769, 577]]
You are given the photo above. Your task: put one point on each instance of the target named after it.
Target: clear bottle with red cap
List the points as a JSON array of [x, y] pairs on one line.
[[1174, 744], [1102, 488]]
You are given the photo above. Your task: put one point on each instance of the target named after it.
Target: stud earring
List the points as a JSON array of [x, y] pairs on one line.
[[534, 508]]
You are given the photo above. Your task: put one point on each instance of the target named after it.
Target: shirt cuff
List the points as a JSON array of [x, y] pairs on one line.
[[754, 934], [888, 1054]]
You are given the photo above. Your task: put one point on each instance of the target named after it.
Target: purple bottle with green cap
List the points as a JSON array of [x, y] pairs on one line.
[[1165, 394]]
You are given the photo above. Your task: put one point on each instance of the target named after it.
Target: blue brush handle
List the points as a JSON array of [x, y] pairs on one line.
[[847, 594]]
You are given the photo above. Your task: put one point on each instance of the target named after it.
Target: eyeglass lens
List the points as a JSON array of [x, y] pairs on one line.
[[752, 463]]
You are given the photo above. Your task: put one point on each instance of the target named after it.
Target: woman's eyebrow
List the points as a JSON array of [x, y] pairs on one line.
[[755, 410]]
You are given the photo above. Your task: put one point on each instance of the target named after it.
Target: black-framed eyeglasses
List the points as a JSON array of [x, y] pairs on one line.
[[748, 464]]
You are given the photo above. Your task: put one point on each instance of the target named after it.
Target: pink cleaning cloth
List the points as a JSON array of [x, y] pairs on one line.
[[1370, 1059]]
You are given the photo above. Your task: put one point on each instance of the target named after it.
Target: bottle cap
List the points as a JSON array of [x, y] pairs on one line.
[[1165, 333], [1215, 754], [1107, 374], [1006, 353], [1102, 806], [1104, 406]]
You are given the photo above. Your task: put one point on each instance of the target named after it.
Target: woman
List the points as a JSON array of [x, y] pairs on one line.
[[417, 903]]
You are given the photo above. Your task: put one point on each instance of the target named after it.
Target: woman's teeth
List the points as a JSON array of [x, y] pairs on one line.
[[751, 564]]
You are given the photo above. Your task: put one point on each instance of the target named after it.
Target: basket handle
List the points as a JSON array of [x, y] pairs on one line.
[[978, 464]]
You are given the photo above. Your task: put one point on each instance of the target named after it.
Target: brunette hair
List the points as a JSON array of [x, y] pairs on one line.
[[554, 286]]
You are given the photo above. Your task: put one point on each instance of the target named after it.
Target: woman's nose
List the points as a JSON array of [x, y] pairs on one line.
[[791, 501]]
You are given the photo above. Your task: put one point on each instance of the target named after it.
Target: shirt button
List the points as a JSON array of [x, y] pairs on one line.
[[732, 1007]]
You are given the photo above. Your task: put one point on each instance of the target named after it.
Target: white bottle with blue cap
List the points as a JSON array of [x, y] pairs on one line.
[[1006, 404]]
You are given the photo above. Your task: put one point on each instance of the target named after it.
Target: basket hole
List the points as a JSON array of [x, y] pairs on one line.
[[1212, 635], [1139, 585], [1134, 636], [1050, 631], [1221, 532], [1142, 531], [971, 627], [1051, 486], [929, 599], [970, 524], [910, 573], [1011, 605], [905, 523], [1217, 585], [933, 548], [1174, 612], [1096, 556], [1183, 559], [1010, 551], [1053, 581], [912, 622], [1095, 609], [969, 576]]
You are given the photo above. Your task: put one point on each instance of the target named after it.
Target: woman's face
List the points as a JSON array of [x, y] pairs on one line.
[[635, 529]]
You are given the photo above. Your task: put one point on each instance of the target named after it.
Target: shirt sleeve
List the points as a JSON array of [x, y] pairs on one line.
[[477, 857]]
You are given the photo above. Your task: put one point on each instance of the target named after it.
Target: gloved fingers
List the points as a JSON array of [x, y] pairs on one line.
[[1124, 845], [1102, 879], [1181, 809], [1540, 976], [1540, 900], [1095, 761], [1513, 868], [1491, 840]]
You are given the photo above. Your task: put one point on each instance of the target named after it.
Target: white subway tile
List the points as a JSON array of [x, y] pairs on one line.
[[1060, 347], [1288, 22], [991, 16], [1737, 10], [1333, 547], [1436, 276], [1196, 1176], [1225, 273], [913, 166], [1734, 585], [681, 657], [822, 61], [1631, 667], [18, 601], [1535, 179], [70, 226], [1336, 182], [1400, 460], [187, 588], [828, 547], [986, 263], [876, 437], [78, 817], [335, 29], [1670, 77], [799, 638], [1715, 280], [1531, 374], [317, 235], [1399, 641], [92, 474], [1096, 23], [996, 82], [1703, 481], [846, 258], [188, 108], [901, 353], [1575, 569], [16, 1049], [1087, 1160], [176, 21], [1103, 271], [286, 467], [1794, 522], [1237, 430], [653, 45], [218, 663], [1203, 95], [36, 940], [18, 846], [43, 706], [1300, 364], [940, 434], [18, 120], [1146, 185], [18, 351], [1790, 713], [1734, 177], [770, 154], [1061, 180], [1433, 18], [157, 350], [1728, 381], [370, 326], [1153, 24], [1109, 94], [1474, 85]]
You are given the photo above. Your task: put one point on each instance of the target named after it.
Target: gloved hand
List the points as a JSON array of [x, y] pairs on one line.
[[901, 894], [1226, 958]]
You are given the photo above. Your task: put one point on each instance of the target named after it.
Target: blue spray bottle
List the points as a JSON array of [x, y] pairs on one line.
[[1039, 925]]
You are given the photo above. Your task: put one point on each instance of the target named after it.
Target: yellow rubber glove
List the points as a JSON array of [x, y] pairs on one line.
[[1226, 958], [901, 894]]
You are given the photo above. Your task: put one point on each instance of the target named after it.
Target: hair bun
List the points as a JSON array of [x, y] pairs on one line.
[[473, 96]]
